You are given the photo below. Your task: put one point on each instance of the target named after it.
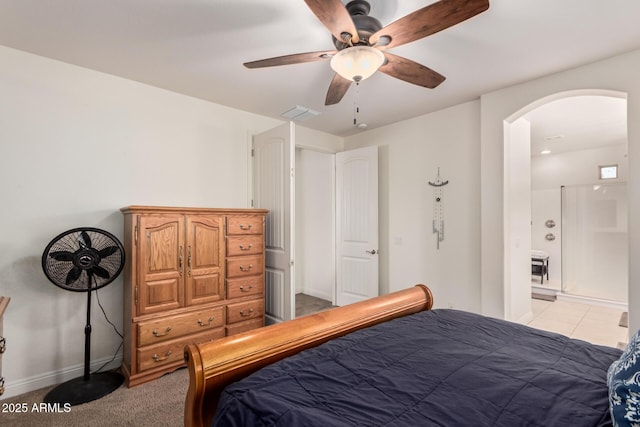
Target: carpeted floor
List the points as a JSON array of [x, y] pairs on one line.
[[158, 403]]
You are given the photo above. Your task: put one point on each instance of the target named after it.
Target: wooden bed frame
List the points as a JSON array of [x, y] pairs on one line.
[[216, 364]]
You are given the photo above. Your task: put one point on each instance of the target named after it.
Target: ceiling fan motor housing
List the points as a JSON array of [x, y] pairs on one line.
[[365, 25]]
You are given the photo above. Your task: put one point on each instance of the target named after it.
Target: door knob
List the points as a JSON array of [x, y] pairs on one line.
[[372, 252]]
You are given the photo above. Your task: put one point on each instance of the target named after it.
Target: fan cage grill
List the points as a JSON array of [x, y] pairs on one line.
[[86, 245]]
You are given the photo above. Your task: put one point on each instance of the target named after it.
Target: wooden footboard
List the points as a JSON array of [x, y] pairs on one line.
[[214, 365]]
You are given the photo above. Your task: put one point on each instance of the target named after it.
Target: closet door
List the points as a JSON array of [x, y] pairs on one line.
[[161, 255], [204, 269], [273, 184], [357, 225]]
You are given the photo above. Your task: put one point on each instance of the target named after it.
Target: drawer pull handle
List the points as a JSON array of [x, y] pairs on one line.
[[157, 358], [243, 314], [245, 269], [242, 288], [245, 227], [166, 331], [246, 248], [201, 323], [3, 345]]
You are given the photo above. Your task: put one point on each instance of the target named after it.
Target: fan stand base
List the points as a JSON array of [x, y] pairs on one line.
[[77, 390]]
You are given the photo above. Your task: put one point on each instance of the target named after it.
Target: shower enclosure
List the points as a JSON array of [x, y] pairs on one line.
[[595, 241]]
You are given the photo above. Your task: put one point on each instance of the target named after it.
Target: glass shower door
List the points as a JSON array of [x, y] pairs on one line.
[[595, 241]]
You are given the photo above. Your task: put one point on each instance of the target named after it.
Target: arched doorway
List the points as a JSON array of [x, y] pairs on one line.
[[517, 197]]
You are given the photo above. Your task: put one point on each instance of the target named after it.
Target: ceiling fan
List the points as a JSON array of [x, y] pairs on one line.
[[362, 42]]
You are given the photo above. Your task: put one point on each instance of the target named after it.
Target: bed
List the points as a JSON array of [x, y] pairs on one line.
[[392, 360]]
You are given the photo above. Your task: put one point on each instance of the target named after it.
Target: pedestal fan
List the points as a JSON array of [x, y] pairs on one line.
[[83, 260]]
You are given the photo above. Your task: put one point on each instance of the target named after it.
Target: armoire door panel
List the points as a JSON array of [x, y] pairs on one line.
[[205, 253], [162, 241], [159, 295], [162, 253], [205, 288]]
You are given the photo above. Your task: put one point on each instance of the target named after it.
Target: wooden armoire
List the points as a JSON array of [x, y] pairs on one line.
[[192, 275]]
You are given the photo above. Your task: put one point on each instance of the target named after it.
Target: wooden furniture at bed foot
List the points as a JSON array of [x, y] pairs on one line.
[[4, 302], [194, 275]]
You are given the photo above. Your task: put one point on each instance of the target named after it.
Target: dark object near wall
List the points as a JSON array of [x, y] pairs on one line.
[[83, 260]]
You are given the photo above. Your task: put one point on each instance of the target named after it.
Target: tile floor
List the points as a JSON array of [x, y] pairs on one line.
[[592, 323]]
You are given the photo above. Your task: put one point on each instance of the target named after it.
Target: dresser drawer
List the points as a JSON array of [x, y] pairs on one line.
[[246, 310], [172, 351], [245, 224], [245, 266], [245, 287], [167, 328], [244, 245], [237, 328]]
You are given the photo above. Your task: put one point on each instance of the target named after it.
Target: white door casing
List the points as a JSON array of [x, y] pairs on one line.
[[357, 225], [273, 184]]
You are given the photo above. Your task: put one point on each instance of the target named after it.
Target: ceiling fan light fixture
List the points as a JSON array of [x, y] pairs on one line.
[[357, 63]]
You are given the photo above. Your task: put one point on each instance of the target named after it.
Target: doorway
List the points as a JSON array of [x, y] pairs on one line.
[[314, 230], [545, 171], [330, 200]]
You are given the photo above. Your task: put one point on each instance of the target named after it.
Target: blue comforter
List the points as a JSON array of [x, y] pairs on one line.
[[434, 368]]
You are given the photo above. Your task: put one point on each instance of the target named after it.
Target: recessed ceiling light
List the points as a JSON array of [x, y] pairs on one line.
[[545, 152]]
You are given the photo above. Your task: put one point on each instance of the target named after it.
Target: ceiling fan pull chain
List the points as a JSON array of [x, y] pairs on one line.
[[356, 108]]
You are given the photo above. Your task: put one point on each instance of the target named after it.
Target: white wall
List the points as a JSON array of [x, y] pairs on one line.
[[76, 146], [577, 167], [410, 154], [518, 216], [618, 73]]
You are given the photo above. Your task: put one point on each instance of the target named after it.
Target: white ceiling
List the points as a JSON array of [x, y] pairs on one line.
[[578, 123], [197, 47]]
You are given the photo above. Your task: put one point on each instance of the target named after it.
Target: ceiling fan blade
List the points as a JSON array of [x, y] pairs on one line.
[[335, 16], [338, 87], [296, 58], [428, 20], [410, 71]]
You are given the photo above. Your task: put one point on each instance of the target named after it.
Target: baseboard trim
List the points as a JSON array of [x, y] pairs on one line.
[[593, 301], [25, 385]]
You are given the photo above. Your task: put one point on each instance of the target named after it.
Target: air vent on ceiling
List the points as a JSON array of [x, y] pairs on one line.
[[299, 113]]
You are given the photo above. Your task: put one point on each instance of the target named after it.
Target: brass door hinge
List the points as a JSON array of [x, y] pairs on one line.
[[136, 296], [135, 235]]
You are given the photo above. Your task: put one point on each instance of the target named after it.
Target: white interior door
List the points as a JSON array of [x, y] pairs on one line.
[[273, 183], [357, 225]]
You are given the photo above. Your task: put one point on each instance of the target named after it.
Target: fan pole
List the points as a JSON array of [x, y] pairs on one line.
[[87, 336]]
